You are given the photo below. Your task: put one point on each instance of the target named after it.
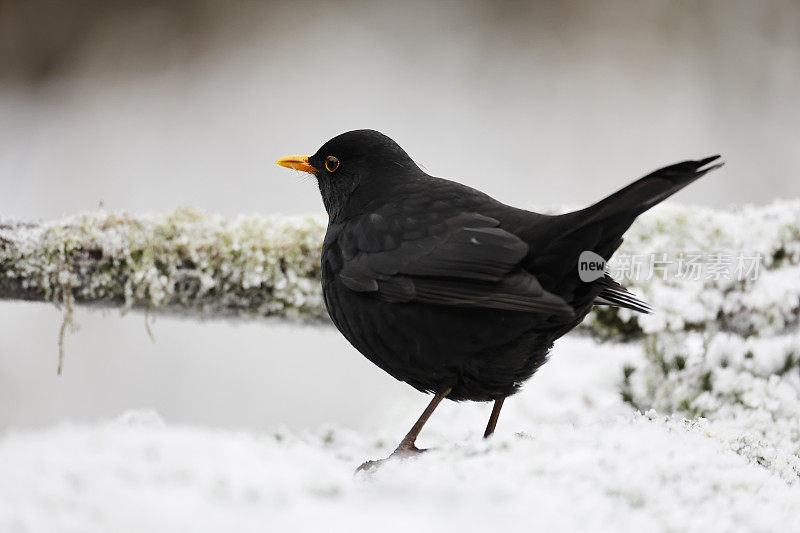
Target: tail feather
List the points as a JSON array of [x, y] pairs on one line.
[[650, 190], [616, 295], [600, 228]]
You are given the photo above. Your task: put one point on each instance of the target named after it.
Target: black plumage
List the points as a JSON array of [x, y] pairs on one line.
[[449, 290]]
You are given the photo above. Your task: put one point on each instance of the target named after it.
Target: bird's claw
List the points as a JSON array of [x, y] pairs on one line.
[[403, 451]]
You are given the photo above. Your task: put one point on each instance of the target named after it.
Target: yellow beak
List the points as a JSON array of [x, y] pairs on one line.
[[296, 162]]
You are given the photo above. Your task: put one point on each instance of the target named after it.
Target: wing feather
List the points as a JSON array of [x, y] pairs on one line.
[[465, 260]]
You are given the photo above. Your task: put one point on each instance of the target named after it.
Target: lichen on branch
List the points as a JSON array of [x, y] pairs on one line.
[[185, 262]]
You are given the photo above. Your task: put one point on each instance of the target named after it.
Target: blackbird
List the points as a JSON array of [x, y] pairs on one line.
[[450, 290]]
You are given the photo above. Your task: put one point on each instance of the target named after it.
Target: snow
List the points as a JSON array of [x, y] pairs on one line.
[[569, 455], [749, 385]]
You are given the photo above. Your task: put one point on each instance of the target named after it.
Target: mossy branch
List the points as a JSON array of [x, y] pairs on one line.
[[185, 262]]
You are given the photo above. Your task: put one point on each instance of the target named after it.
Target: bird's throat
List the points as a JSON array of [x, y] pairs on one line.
[[335, 194]]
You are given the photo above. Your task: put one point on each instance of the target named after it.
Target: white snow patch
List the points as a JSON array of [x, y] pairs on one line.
[[569, 455]]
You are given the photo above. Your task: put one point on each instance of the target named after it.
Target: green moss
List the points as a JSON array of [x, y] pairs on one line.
[[607, 323], [791, 362], [706, 382]]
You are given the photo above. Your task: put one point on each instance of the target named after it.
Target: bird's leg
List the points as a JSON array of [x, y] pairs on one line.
[[498, 404], [407, 446]]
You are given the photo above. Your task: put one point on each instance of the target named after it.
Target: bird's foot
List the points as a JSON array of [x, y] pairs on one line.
[[405, 450], [370, 466]]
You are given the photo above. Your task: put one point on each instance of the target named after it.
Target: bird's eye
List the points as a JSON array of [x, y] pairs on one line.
[[331, 163]]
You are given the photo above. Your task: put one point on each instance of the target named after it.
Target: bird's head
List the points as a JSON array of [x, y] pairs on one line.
[[350, 160]]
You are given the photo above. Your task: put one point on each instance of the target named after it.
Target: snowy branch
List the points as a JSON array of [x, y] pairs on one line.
[[185, 262]]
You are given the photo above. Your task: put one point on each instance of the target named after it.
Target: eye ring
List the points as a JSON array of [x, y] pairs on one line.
[[331, 163]]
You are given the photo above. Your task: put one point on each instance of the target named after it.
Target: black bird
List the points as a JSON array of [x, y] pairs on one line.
[[446, 288]]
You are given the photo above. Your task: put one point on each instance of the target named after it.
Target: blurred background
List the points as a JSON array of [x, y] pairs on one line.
[[151, 105]]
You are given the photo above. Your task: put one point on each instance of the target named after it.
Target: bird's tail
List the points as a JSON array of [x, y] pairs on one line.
[[607, 220], [599, 228], [650, 190]]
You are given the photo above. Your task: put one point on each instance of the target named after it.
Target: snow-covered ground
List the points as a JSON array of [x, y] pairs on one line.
[[569, 455]]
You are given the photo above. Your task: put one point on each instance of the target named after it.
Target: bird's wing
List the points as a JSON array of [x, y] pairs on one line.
[[456, 259]]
